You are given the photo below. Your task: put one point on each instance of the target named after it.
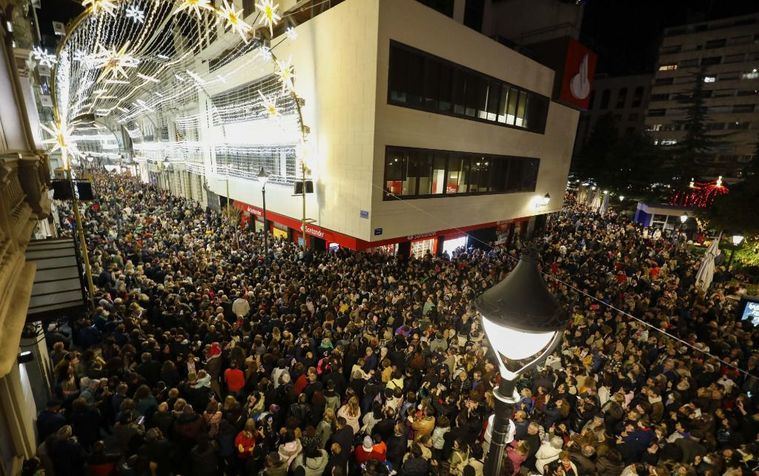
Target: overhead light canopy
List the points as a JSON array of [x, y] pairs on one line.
[[522, 319]]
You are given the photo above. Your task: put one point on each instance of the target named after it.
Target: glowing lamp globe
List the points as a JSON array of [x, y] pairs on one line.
[[683, 218], [737, 240], [522, 319]]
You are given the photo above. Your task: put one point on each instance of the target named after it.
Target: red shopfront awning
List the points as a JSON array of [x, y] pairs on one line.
[[351, 242]]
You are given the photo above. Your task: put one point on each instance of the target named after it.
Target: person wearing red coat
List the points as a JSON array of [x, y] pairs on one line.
[[366, 452]]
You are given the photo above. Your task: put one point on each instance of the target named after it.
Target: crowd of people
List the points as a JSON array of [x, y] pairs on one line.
[[203, 356]]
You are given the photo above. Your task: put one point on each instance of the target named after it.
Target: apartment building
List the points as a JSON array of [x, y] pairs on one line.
[[726, 53]]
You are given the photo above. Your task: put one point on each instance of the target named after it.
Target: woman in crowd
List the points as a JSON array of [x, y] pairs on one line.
[[348, 363]]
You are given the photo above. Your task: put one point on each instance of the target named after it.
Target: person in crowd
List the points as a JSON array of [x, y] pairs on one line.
[[203, 356]]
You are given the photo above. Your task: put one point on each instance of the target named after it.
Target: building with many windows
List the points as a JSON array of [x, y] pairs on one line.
[[624, 98], [726, 54], [415, 141]]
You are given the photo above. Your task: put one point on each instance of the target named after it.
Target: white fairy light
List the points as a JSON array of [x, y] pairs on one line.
[[61, 136], [286, 74], [100, 6], [194, 6], [42, 57], [135, 14], [291, 33], [270, 105], [269, 16], [265, 53], [233, 20], [113, 62]]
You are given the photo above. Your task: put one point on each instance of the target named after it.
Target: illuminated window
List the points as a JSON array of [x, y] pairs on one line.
[[710, 79], [668, 67]]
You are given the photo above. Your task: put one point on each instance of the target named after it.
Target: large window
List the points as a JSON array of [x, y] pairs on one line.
[[422, 81], [423, 173]]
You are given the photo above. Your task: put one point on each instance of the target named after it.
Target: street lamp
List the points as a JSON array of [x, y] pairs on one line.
[[263, 177], [683, 218], [737, 240], [524, 323]]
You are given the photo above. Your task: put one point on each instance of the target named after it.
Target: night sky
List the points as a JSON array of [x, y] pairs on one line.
[[626, 33]]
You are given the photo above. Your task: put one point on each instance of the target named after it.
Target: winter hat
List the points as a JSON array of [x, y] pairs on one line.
[[368, 443]]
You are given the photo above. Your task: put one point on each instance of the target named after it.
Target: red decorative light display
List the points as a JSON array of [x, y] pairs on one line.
[[699, 194]]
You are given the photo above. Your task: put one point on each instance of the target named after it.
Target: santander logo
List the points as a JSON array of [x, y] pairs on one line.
[[579, 85]]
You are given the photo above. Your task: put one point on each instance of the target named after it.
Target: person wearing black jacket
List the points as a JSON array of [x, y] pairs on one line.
[[50, 420], [397, 444], [343, 436]]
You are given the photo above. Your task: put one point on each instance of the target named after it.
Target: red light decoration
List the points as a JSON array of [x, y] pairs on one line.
[[699, 194]]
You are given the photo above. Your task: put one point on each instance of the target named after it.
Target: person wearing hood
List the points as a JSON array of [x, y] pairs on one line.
[[313, 460], [290, 449], [366, 452], [549, 451]]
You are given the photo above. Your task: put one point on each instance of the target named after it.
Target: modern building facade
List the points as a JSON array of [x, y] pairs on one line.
[[413, 143], [625, 98], [726, 54]]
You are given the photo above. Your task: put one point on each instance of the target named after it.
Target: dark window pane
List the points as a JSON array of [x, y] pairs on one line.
[[412, 173], [621, 98], [415, 80], [521, 108], [605, 99], [479, 175], [395, 171], [459, 91], [529, 174], [499, 169], [476, 95], [511, 107], [494, 95], [502, 104], [537, 111], [431, 77], [424, 169], [445, 88], [399, 61], [458, 174], [514, 182], [438, 172]]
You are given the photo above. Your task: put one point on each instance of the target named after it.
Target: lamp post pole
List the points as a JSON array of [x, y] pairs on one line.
[[524, 323], [263, 177], [505, 399]]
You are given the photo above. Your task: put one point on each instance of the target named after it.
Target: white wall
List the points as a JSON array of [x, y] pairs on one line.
[[335, 51], [341, 66], [411, 128]]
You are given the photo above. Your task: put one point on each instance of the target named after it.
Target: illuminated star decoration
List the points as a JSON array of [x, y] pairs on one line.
[[286, 75], [135, 14], [291, 33], [100, 6], [266, 53], [42, 57], [194, 6], [114, 62], [269, 16], [80, 56], [61, 137], [270, 105], [234, 21]]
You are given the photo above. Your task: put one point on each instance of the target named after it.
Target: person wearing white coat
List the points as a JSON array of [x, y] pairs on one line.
[[548, 452]]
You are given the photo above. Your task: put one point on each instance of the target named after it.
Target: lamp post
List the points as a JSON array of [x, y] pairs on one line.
[[263, 177], [737, 240], [524, 323]]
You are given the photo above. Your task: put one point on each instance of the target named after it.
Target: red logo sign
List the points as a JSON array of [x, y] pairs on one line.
[[579, 68]]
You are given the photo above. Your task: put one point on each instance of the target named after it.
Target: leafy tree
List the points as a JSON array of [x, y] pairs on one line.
[[628, 163], [697, 145], [737, 211], [595, 158]]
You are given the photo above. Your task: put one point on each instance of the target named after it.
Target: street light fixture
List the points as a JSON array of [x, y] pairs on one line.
[[683, 218], [263, 177], [737, 240], [524, 323]]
